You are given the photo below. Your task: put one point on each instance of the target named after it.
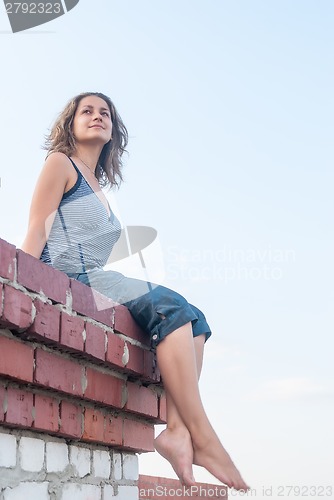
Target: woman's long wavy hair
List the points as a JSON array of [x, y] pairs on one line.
[[61, 139]]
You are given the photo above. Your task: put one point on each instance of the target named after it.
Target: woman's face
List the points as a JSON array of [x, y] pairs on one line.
[[92, 121]]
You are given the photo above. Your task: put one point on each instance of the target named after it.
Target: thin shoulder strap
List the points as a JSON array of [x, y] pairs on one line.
[[76, 168]]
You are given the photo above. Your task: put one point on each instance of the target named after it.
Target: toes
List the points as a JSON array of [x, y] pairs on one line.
[[187, 482]]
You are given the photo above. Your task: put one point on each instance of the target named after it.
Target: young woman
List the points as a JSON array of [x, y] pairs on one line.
[[72, 228]]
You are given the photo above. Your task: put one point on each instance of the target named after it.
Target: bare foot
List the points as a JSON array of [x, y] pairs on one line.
[[215, 459], [176, 447]]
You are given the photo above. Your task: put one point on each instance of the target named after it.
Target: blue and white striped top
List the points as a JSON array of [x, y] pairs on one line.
[[82, 234]]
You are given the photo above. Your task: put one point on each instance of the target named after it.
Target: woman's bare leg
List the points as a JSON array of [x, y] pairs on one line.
[[177, 363], [174, 443]]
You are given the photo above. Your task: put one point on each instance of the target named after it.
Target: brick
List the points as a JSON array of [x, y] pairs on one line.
[[41, 278], [73, 491], [124, 323], [20, 407], [138, 436], [71, 332], [46, 413], [17, 309], [104, 388], [141, 400], [163, 409], [3, 396], [130, 466], [71, 418], [113, 430], [91, 303], [46, 322], [101, 464], [16, 360], [115, 350], [7, 260], [116, 466], [127, 493], [59, 373], [93, 425], [95, 344], [151, 370], [108, 492], [136, 359], [27, 490], [7, 450], [56, 457], [149, 491], [31, 454], [80, 459]]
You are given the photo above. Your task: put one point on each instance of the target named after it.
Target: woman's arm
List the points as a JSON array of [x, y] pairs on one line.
[[48, 192]]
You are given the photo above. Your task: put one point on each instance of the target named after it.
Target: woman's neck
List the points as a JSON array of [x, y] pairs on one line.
[[88, 156]]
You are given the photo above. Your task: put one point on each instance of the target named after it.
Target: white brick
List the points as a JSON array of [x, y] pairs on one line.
[[130, 466], [117, 466], [101, 464], [108, 492], [27, 490], [32, 454], [56, 457], [73, 491], [7, 450], [127, 493], [80, 459]]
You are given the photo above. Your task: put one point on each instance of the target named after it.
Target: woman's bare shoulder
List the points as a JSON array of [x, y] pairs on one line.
[[57, 170], [57, 158], [57, 164]]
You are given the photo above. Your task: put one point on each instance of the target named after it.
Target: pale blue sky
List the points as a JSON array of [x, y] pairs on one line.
[[229, 106]]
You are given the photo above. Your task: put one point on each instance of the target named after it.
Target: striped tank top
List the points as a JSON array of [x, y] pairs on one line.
[[82, 234]]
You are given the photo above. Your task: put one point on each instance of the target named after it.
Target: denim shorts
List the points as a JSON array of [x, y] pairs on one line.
[[157, 309]]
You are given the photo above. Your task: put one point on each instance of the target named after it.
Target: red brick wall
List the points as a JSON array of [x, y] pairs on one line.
[[72, 363]]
